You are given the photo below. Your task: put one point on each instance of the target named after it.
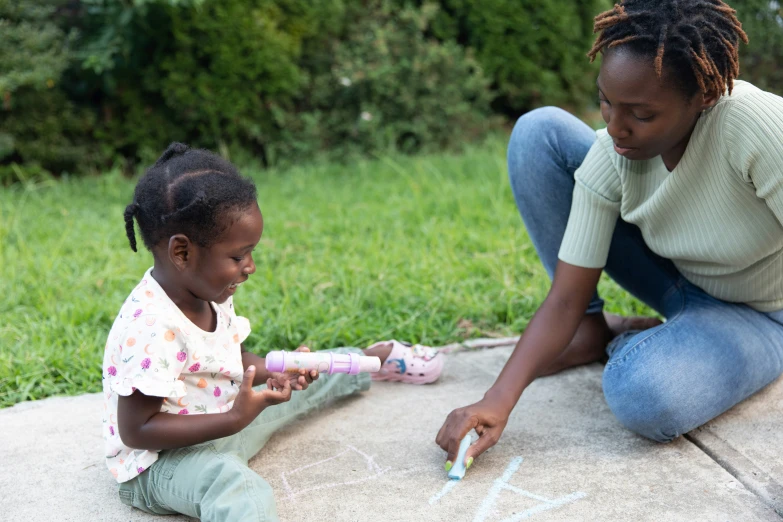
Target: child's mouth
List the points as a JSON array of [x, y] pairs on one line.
[[234, 286]]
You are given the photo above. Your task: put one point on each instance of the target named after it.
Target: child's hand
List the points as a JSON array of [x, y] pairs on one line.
[[249, 403], [298, 381]]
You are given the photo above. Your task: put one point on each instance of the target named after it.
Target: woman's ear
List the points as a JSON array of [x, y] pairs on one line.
[[710, 99], [181, 251]]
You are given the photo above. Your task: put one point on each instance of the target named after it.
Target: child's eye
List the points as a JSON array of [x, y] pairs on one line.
[[238, 259], [648, 118]]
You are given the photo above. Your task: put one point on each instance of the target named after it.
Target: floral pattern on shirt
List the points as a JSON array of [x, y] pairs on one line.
[[152, 347]]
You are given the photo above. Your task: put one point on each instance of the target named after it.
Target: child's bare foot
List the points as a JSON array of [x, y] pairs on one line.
[[594, 333], [381, 350]]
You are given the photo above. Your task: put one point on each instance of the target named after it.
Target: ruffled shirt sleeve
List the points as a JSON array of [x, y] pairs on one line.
[[149, 356]]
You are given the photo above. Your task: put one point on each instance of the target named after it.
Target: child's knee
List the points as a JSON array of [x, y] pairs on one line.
[[232, 491]]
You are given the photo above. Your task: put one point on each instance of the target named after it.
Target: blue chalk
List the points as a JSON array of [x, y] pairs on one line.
[[457, 471]]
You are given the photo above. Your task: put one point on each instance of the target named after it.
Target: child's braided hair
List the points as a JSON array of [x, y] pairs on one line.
[[187, 191]]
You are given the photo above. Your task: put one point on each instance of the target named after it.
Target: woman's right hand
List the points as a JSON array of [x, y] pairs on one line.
[[249, 403], [487, 417], [550, 330]]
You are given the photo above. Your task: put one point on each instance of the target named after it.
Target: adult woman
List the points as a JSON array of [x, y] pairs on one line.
[[680, 200]]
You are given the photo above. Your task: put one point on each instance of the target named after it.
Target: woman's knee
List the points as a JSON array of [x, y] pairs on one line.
[[646, 405], [537, 119], [545, 142], [534, 130]]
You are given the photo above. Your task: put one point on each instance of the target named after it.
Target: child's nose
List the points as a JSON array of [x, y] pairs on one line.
[[251, 268]]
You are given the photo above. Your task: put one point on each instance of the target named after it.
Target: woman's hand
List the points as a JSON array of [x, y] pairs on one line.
[[546, 336], [486, 417], [249, 403]]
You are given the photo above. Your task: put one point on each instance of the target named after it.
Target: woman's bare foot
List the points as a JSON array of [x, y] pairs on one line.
[[593, 334], [619, 324]]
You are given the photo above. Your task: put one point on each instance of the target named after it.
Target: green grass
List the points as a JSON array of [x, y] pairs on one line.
[[428, 249]]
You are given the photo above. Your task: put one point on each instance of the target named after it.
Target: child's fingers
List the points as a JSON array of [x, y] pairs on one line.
[[302, 348], [314, 374], [247, 379], [279, 392], [302, 381], [276, 381], [286, 391]]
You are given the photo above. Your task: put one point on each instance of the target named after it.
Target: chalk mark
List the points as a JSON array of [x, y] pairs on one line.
[[448, 487], [502, 483], [372, 467], [552, 504]]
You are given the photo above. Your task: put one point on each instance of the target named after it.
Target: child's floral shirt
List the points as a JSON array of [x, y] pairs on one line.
[[154, 348]]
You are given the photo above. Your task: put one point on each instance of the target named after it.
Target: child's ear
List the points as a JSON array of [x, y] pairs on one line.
[[180, 251]]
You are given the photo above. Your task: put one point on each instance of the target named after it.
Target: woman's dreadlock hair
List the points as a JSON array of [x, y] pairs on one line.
[[187, 191], [697, 39]]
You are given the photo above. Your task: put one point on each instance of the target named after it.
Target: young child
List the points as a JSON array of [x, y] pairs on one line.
[[181, 416]]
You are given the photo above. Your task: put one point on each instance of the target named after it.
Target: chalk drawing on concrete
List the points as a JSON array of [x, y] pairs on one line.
[[502, 483], [448, 487], [373, 471]]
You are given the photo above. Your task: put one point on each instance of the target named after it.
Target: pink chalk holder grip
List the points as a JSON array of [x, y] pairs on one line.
[[323, 362]]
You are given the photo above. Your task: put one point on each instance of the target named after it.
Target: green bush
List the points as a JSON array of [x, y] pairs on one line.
[[204, 72], [760, 60], [145, 72], [39, 125], [234, 66], [88, 83], [533, 50], [386, 86], [264, 79]]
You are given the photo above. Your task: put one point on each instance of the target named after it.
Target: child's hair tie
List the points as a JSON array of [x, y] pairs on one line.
[[199, 200], [175, 149]]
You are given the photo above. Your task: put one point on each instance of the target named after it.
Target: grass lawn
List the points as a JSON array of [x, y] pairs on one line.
[[428, 249]]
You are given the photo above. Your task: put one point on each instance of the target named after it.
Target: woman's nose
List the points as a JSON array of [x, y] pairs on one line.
[[617, 128]]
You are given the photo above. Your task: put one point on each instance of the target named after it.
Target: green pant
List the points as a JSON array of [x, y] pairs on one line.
[[212, 481]]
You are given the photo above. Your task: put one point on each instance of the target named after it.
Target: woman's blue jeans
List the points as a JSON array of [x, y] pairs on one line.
[[709, 354]]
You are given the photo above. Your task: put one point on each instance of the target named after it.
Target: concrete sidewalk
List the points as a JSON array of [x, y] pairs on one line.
[[563, 456]]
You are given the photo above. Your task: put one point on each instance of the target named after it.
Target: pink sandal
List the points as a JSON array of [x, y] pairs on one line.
[[412, 364]]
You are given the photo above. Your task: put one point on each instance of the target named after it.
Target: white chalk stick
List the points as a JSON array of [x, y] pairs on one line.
[[457, 470]]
